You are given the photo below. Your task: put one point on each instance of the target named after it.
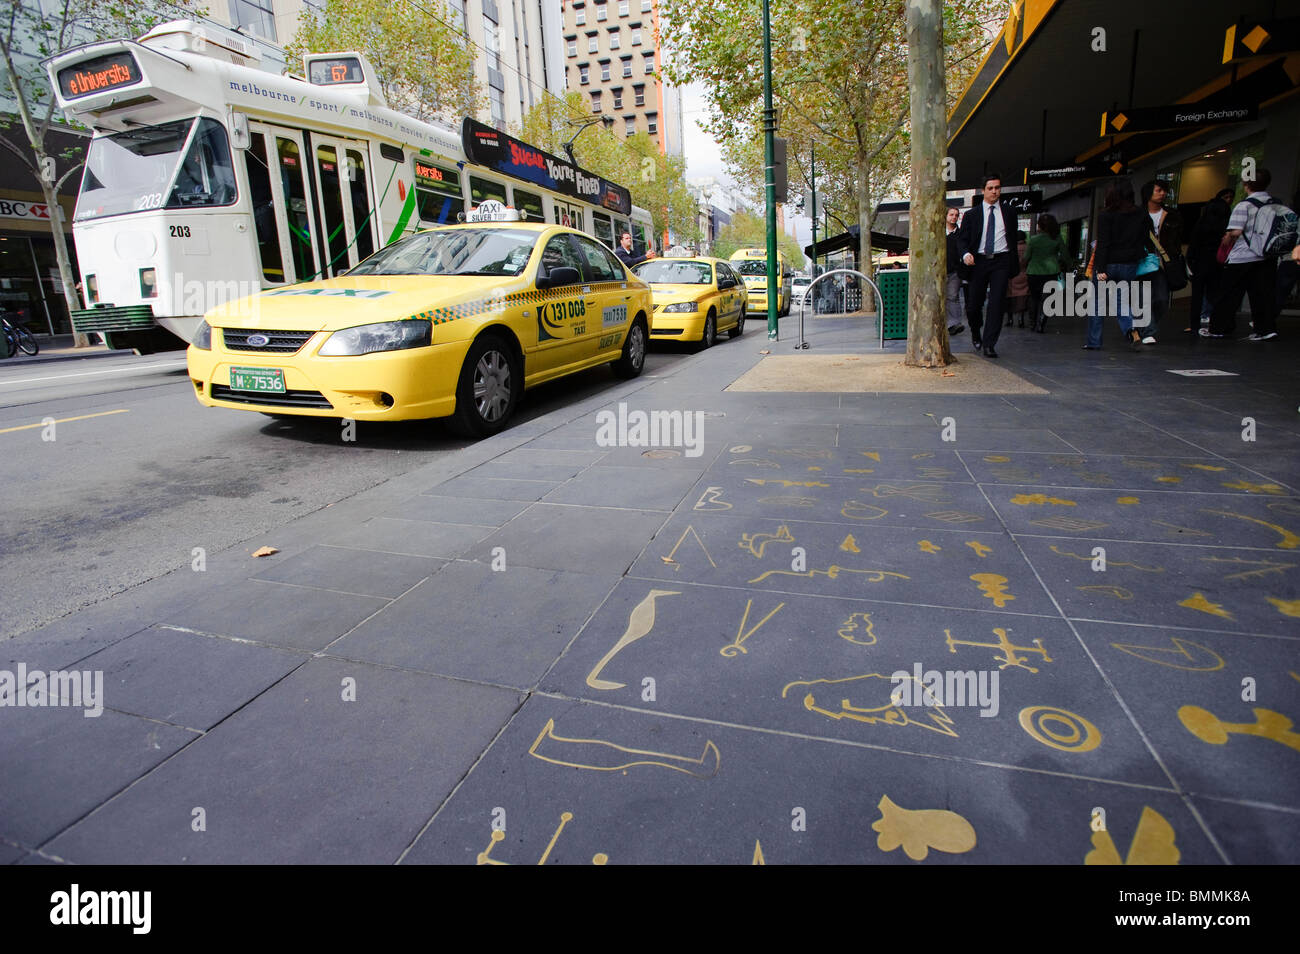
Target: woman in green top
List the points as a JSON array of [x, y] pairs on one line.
[[1046, 257]]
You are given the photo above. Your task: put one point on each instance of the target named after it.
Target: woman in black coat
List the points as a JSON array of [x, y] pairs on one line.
[[1202, 246]]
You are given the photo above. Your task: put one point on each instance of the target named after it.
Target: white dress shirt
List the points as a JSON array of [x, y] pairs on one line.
[[999, 230]]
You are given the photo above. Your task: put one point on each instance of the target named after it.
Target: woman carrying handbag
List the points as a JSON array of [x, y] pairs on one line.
[[1167, 272]]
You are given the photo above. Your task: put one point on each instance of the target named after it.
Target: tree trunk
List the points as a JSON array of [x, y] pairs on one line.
[[927, 328], [866, 217]]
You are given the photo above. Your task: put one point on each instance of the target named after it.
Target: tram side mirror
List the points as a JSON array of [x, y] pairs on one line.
[[239, 135], [558, 276]]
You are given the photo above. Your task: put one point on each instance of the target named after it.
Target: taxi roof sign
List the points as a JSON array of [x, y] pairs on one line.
[[490, 210]]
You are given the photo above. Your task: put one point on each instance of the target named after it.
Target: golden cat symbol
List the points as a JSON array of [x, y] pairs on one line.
[[1152, 844], [919, 830]]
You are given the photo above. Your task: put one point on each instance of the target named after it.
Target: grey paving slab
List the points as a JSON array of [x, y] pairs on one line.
[[186, 679], [1184, 475], [474, 623], [526, 463], [971, 436], [577, 539], [1186, 691], [365, 572], [493, 488], [1123, 437], [961, 568], [413, 537], [66, 641], [1226, 520], [809, 497], [302, 776], [645, 488], [1234, 590], [824, 667], [584, 783], [686, 458], [852, 461], [9, 854], [1251, 835], [293, 617], [59, 764], [577, 435], [470, 511], [1281, 468]]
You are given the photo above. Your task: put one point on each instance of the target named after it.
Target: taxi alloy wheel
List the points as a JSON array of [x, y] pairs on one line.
[[488, 389], [710, 336], [630, 363], [738, 329]]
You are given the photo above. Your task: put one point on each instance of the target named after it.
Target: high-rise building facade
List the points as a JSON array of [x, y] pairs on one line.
[[612, 55]]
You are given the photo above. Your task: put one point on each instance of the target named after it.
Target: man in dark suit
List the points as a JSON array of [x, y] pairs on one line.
[[987, 243], [625, 253]]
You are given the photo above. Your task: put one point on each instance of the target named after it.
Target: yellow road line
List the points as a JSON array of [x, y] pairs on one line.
[[64, 420]]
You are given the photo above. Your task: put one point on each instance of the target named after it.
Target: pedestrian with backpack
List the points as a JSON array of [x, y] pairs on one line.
[[1260, 230]]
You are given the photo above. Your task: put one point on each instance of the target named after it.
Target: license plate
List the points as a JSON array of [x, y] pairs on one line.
[[270, 380]]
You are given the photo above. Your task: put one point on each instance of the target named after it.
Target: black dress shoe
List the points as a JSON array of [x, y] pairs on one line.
[[990, 353], [977, 343], [956, 329]]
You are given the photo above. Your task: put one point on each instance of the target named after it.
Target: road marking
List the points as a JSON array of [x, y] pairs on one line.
[[82, 374], [27, 427]]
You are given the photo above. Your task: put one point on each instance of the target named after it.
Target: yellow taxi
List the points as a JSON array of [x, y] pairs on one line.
[[451, 322], [751, 265], [694, 299]]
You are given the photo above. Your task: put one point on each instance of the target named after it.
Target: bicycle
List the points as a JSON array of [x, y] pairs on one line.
[[18, 338]]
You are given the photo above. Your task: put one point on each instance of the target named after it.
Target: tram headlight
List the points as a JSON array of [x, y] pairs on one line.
[[203, 337], [385, 336]]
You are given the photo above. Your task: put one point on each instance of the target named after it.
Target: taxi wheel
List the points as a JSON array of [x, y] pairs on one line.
[[710, 336], [739, 328], [632, 360], [489, 388]]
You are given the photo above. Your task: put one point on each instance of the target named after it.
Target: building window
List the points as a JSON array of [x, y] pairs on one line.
[[627, 66], [604, 71], [629, 125], [649, 62], [652, 123], [579, 16], [573, 46], [595, 100], [498, 108], [645, 6], [601, 13], [457, 8], [640, 95], [613, 39], [618, 98], [636, 36], [256, 15], [593, 43], [622, 8], [491, 44], [582, 74]]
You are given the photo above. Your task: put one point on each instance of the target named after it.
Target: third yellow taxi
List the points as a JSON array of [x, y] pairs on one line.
[[694, 298], [452, 322]]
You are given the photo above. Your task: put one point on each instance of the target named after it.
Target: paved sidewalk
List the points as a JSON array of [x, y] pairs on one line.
[[59, 348], [638, 655]]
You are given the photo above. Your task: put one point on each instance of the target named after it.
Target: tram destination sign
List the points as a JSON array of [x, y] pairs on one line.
[[99, 74], [495, 150], [1187, 116]]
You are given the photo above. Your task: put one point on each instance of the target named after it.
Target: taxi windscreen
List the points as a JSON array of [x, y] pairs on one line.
[[667, 272], [502, 252]]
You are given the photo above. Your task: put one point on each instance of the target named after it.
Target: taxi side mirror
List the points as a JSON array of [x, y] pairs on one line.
[[561, 275]]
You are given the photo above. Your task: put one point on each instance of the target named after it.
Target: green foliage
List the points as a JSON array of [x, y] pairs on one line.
[[750, 231], [424, 65]]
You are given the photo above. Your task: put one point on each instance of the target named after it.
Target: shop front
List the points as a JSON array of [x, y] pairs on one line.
[[31, 291]]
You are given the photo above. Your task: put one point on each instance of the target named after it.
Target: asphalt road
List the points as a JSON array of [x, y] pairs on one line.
[[135, 473]]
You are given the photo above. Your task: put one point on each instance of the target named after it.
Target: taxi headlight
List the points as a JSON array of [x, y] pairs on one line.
[[385, 336], [683, 306], [203, 337]]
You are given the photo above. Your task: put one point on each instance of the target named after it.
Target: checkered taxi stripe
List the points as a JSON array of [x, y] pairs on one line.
[[483, 306]]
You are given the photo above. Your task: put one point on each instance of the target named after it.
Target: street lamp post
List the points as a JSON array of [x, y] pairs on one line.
[[769, 173]]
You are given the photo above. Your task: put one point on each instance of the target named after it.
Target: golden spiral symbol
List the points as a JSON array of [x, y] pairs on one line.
[[1075, 733]]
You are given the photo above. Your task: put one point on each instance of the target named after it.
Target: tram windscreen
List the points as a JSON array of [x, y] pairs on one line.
[[156, 166]]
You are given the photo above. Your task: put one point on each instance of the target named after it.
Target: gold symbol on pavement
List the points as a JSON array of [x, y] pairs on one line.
[[1169, 480], [933, 472], [1074, 524], [928, 547], [850, 545], [598, 755], [1197, 601], [925, 493], [1079, 734], [711, 499], [1127, 500], [994, 587], [1268, 724], [1024, 500], [1289, 540], [1286, 607], [756, 543], [955, 516], [889, 713], [599, 858], [1190, 531], [874, 455], [917, 831], [758, 854], [1087, 559], [980, 549], [1009, 656], [859, 470], [755, 462], [1152, 844], [741, 449], [850, 626], [662, 453], [762, 481], [1095, 477], [804, 453], [689, 531], [811, 469], [1208, 467], [923, 455], [1251, 488], [832, 572], [790, 501], [860, 511], [639, 623], [1119, 592], [1203, 659], [1284, 506], [733, 648], [996, 459], [1265, 567]]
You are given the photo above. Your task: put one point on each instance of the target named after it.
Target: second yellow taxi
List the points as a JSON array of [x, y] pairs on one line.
[[694, 299]]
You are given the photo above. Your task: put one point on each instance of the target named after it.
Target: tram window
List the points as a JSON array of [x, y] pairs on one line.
[[259, 188], [483, 189], [332, 200], [604, 228], [638, 237], [295, 200], [206, 176], [532, 204], [437, 208], [356, 165]]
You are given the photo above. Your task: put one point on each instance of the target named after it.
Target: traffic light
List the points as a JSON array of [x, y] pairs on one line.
[[778, 169]]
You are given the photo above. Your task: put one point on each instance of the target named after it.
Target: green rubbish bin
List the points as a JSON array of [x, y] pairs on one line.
[[893, 292]]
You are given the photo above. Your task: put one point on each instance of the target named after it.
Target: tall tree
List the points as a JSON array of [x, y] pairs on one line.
[[424, 64], [31, 30], [750, 231]]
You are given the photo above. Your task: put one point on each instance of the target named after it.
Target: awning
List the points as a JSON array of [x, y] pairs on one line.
[[881, 241]]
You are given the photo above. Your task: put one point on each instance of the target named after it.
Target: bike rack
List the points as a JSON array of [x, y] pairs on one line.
[[880, 304]]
